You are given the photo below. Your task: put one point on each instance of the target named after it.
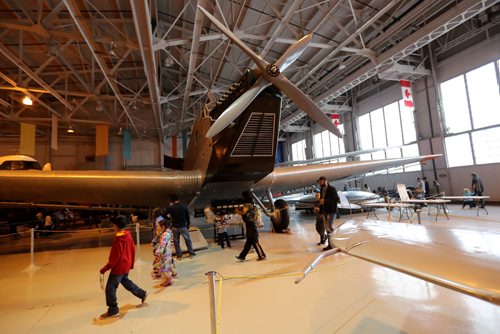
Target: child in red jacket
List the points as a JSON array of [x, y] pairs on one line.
[[121, 260]]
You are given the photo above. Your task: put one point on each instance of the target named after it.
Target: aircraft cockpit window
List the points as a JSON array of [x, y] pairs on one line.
[[20, 165], [16, 165], [5, 165], [32, 165]]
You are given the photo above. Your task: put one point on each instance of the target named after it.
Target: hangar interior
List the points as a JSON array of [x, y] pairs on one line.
[[82, 64], [142, 71]]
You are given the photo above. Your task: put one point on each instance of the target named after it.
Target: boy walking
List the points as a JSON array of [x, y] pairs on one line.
[[121, 260]]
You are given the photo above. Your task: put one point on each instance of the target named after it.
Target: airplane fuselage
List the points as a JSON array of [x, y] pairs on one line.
[[240, 155]]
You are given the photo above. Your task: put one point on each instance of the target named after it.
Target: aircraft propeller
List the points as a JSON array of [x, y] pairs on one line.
[[270, 74]]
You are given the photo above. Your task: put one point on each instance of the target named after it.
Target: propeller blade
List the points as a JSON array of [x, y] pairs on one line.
[[269, 73], [237, 107], [293, 52], [261, 63], [305, 103]]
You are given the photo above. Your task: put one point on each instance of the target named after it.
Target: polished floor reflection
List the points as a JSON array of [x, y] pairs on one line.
[[344, 295]]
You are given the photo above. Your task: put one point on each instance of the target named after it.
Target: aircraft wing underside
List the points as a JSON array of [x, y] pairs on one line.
[[464, 260], [297, 177], [98, 187], [154, 188]]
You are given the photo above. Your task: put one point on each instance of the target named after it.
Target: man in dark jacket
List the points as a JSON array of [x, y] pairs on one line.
[[477, 187], [328, 201], [121, 261], [180, 225]]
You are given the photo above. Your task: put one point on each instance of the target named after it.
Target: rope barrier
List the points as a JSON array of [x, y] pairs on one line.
[[223, 278], [11, 234]]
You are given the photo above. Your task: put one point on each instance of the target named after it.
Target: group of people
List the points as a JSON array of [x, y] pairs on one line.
[[175, 221], [168, 227]]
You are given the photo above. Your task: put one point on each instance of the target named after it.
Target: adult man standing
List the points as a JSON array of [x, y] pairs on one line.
[[427, 187], [477, 187], [180, 225], [328, 201]]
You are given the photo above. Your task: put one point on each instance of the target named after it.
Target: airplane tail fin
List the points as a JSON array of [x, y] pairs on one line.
[[47, 167]]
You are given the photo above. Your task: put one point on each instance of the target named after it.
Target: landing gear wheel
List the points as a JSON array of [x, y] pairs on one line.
[[282, 219]]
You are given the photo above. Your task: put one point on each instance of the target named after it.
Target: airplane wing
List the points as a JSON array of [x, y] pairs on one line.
[[98, 187], [464, 260], [296, 177], [333, 157]]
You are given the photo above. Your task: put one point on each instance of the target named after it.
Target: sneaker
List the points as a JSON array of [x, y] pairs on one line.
[[166, 282], [239, 258], [179, 257], [319, 244], [192, 254], [109, 315], [262, 258], [143, 299], [328, 247]]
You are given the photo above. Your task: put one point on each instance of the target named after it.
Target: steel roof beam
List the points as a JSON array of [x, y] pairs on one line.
[[25, 91], [432, 30], [142, 21], [87, 35], [21, 65], [193, 55]]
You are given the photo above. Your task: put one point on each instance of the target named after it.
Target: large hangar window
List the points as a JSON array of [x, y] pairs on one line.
[[471, 109], [392, 125], [327, 144], [299, 150]]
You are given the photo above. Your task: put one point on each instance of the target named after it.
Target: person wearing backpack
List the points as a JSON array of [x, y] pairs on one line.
[[248, 213]]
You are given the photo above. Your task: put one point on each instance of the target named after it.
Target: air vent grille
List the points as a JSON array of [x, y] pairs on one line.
[[257, 137]]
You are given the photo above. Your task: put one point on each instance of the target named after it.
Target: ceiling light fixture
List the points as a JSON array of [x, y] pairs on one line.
[[120, 132], [112, 51], [70, 129], [342, 65], [169, 61], [27, 101]]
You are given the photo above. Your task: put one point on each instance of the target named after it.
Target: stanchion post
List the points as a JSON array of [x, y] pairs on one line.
[[138, 237], [32, 266], [213, 301]]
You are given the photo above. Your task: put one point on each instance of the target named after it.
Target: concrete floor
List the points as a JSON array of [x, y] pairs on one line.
[[345, 295]]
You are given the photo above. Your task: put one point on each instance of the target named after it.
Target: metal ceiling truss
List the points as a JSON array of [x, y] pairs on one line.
[[432, 30], [91, 61]]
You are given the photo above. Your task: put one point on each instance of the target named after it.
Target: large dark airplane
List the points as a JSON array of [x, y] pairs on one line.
[[232, 148]]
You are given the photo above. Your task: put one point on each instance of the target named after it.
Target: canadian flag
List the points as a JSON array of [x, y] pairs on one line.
[[335, 119], [406, 90]]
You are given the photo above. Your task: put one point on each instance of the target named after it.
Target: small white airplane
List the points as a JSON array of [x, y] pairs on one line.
[[19, 162]]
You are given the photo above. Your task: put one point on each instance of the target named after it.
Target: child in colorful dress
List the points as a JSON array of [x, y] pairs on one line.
[[158, 230], [164, 253]]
